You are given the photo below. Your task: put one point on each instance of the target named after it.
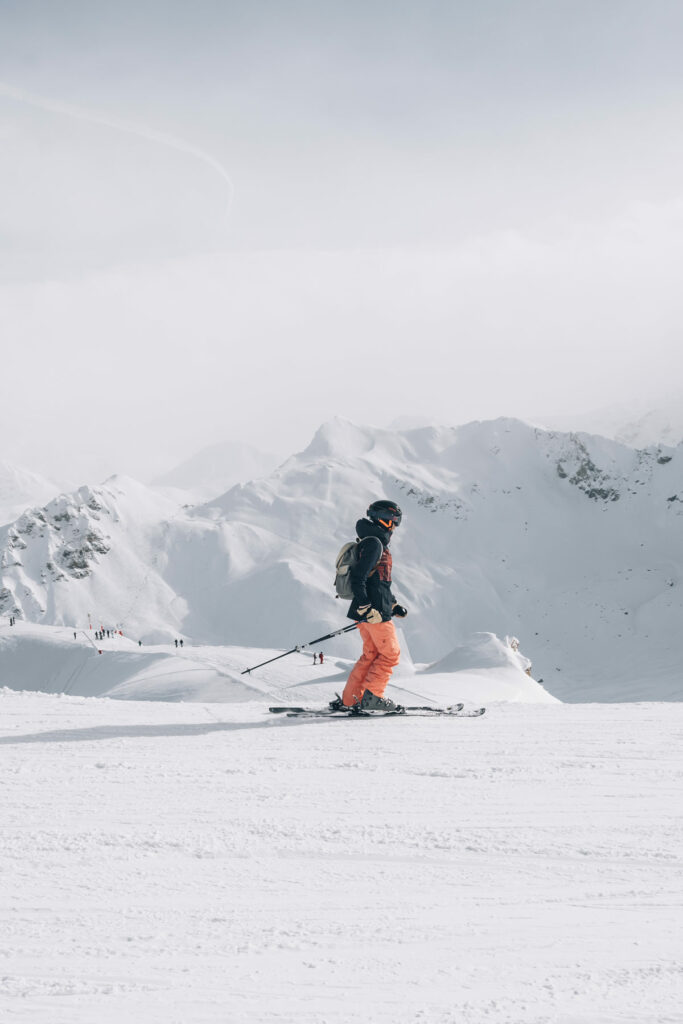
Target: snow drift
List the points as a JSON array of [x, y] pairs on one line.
[[58, 660]]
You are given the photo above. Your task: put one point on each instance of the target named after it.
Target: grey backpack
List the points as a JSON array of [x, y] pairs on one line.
[[346, 559]]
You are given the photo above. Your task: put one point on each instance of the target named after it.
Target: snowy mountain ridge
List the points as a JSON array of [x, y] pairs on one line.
[[638, 425], [20, 488], [570, 542], [216, 468]]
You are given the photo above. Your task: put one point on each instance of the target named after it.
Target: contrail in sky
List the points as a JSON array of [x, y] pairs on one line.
[[66, 109]]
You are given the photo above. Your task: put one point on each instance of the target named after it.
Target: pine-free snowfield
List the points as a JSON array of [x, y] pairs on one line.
[[192, 863]]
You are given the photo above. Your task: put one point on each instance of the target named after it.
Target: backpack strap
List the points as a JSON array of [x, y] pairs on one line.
[[381, 549]]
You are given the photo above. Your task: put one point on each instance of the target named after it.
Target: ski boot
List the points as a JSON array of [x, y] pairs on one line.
[[370, 702]]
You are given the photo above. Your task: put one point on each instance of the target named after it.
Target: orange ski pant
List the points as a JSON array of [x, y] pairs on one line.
[[381, 652]]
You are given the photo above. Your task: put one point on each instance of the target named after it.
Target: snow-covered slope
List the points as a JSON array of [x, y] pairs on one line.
[[20, 489], [569, 542], [213, 864], [55, 659], [89, 557]]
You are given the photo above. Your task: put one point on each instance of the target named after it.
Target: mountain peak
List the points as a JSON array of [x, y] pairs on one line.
[[20, 489], [216, 468], [340, 437]]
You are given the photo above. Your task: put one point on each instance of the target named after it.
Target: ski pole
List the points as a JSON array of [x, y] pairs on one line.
[[300, 647]]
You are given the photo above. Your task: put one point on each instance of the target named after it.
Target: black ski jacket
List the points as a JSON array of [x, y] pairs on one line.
[[371, 575]]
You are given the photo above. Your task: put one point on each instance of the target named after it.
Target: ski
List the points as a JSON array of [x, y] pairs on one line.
[[450, 709], [413, 711], [405, 713]]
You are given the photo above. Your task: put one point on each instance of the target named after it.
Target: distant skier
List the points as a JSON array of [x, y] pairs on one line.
[[373, 606], [315, 658], [320, 657]]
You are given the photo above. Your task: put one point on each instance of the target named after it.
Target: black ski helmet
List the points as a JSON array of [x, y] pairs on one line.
[[384, 512]]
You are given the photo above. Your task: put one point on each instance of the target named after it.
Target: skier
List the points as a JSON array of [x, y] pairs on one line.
[[372, 607]]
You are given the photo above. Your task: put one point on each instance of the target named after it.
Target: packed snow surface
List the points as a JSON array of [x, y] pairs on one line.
[[169, 863]]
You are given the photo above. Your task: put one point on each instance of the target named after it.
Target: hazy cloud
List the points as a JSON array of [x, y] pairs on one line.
[[466, 209]]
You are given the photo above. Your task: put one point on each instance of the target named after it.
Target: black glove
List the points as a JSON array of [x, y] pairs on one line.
[[399, 610]]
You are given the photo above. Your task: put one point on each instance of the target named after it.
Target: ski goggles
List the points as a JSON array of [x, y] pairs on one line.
[[389, 524]]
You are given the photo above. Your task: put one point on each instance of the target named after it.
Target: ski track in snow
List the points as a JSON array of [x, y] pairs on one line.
[[210, 863]]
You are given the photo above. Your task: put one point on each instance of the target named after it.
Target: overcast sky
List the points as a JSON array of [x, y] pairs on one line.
[[230, 220]]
